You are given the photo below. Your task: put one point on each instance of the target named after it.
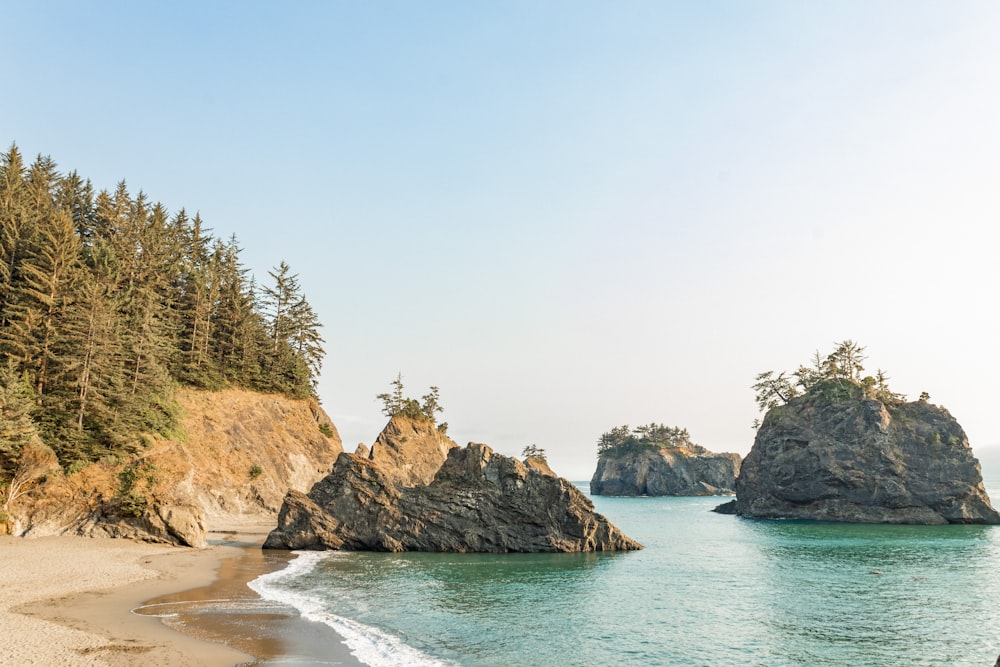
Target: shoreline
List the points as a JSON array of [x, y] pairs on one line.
[[76, 600]]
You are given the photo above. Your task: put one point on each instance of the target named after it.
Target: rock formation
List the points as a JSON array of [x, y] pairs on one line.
[[835, 455], [409, 451], [240, 454], [477, 501], [666, 471]]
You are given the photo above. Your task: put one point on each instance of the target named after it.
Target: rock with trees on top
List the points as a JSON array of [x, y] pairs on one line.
[[835, 445], [660, 460]]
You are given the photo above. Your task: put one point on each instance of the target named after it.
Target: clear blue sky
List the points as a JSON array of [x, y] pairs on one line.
[[567, 215]]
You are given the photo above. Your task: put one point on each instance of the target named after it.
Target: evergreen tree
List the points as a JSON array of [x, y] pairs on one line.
[[38, 301], [296, 351], [106, 302], [16, 426], [15, 227]]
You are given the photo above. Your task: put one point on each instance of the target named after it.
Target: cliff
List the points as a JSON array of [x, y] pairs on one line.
[[834, 455], [236, 456], [410, 452], [477, 501], [666, 471]]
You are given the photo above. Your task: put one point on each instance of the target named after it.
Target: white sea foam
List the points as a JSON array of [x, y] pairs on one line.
[[369, 645]]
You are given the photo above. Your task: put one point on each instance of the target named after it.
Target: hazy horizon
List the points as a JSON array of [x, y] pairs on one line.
[[567, 216]]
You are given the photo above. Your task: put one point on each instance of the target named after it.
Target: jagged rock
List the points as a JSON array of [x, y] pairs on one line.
[[666, 471], [411, 451], [478, 501], [540, 464], [362, 450], [835, 455]]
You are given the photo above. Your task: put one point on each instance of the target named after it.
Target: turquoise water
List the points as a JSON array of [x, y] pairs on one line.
[[708, 589]]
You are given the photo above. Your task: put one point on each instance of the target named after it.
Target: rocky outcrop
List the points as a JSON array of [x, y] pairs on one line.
[[541, 464], [239, 455], [834, 455], [666, 471], [477, 501], [411, 451]]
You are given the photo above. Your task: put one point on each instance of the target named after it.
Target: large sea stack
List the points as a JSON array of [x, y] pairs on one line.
[[666, 471], [477, 501], [837, 454]]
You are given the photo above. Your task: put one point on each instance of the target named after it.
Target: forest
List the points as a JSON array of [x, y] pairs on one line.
[[622, 440], [109, 302]]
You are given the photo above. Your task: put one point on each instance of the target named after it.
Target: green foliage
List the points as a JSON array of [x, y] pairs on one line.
[[533, 451], [108, 303], [835, 377], [134, 482], [255, 471], [623, 440], [325, 429], [396, 404], [833, 390], [16, 426], [773, 390]]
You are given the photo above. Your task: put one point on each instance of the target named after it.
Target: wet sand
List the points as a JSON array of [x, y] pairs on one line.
[[227, 610], [70, 600]]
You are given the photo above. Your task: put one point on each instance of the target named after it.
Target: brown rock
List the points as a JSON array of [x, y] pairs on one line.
[[241, 452], [410, 450], [540, 464]]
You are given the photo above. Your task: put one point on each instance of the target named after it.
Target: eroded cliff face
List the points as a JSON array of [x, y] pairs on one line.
[[668, 471], [860, 460], [411, 451], [237, 455], [477, 501]]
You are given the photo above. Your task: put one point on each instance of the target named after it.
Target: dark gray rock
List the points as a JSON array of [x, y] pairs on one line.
[[478, 501], [668, 471], [835, 455]]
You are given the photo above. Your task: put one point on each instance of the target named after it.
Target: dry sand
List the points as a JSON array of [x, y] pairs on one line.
[[69, 601]]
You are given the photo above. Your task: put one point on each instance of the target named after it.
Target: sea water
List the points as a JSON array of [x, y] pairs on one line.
[[708, 589]]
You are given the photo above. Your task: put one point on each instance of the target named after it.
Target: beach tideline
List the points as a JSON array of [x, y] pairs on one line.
[[69, 601]]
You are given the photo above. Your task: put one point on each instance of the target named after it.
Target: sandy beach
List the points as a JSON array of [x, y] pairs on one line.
[[70, 601]]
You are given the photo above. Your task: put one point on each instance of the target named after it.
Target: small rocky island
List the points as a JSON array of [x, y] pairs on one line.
[[417, 490], [658, 460], [837, 447]]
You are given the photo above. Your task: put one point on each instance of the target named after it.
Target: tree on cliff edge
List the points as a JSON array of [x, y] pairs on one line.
[[843, 364], [397, 403]]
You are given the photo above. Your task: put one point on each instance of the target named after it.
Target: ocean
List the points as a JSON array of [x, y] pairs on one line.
[[708, 590]]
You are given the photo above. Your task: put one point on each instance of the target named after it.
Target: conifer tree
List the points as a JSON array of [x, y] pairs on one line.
[[15, 229], [38, 301], [106, 302]]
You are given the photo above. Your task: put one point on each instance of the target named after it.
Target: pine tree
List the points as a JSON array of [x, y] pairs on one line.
[[15, 228], [38, 303], [106, 302], [296, 350]]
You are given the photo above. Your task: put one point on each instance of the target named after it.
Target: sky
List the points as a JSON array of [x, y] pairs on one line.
[[568, 216]]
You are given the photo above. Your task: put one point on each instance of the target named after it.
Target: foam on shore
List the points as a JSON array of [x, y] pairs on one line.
[[369, 645]]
